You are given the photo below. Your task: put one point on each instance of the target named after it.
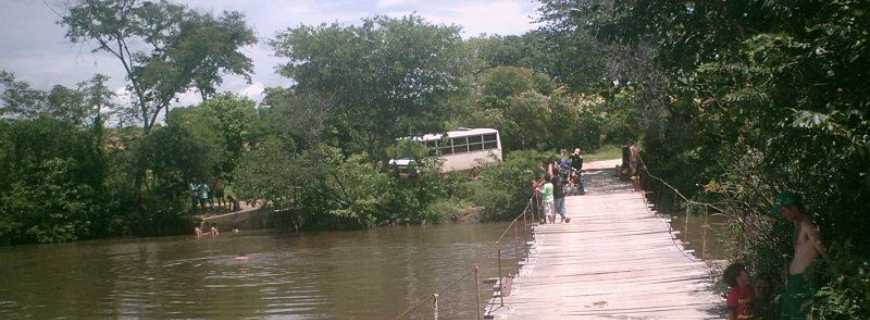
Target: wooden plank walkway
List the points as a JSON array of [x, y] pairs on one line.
[[615, 260]]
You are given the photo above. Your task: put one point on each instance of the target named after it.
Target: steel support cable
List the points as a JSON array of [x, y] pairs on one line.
[[503, 233], [677, 192]]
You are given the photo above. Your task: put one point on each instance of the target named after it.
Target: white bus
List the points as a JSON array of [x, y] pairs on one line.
[[464, 149]]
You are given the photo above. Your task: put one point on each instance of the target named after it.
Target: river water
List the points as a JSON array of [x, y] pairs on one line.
[[702, 234], [371, 274]]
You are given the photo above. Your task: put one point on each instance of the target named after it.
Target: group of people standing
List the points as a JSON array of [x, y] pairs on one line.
[[750, 299], [558, 178], [203, 195]]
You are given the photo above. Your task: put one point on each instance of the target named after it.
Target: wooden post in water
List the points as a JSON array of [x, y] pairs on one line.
[[525, 223], [477, 291], [435, 306], [704, 234], [686, 223], [500, 280]]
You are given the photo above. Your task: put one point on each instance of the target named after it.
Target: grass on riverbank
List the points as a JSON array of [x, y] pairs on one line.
[[606, 152]]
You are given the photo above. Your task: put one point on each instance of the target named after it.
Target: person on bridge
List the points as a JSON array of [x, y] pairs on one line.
[[633, 163], [546, 191], [626, 157], [796, 299], [559, 196], [577, 170], [739, 300]]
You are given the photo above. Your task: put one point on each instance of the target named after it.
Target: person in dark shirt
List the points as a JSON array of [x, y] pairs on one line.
[[577, 159], [577, 170], [559, 196]]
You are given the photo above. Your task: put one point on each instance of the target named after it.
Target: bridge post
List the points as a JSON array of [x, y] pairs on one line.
[[516, 240], [500, 280], [435, 306], [686, 223], [704, 234], [477, 290], [525, 223]]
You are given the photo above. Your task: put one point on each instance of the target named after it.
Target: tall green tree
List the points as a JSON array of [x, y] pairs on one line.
[[380, 80], [180, 48], [223, 124]]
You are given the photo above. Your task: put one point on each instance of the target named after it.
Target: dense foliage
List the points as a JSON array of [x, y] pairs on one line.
[[748, 98], [69, 177], [53, 174], [735, 100]]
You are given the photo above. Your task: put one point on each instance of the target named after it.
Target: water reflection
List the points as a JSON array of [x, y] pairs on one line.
[[373, 274]]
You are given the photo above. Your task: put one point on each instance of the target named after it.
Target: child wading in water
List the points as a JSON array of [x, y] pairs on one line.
[[740, 297]]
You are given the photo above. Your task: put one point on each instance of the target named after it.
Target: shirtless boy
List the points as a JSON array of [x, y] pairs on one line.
[[807, 247]]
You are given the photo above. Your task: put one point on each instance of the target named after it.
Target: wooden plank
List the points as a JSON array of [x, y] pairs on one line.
[[616, 259]]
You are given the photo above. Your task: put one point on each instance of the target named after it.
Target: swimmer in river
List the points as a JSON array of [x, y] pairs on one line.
[[241, 257], [197, 231], [213, 232]]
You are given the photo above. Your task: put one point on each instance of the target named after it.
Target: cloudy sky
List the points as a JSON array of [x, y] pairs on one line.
[[33, 46]]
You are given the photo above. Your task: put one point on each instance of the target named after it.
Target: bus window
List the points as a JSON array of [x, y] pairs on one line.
[[445, 148], [475, 143], [460, 145], [490, 141]]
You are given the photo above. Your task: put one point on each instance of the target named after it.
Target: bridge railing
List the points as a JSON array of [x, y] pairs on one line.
[[514, 238], [661, 189]]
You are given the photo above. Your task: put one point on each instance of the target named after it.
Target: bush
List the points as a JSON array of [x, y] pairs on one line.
[[52, 188], [447, 208], [503, 189]]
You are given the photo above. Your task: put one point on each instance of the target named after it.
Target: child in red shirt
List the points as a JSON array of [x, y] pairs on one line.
[[739, 299]]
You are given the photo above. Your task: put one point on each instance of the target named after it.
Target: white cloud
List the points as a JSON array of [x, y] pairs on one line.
[[491, 17], [191, 97], [395, 3], [254, 91]]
